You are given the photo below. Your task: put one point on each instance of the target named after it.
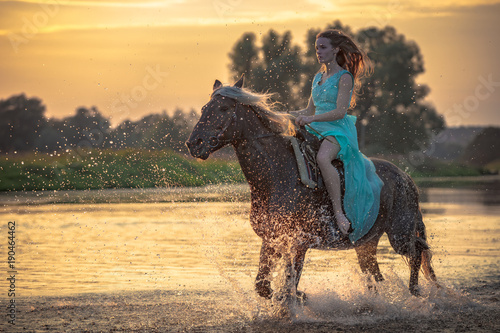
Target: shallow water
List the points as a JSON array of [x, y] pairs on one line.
[[195, 248]]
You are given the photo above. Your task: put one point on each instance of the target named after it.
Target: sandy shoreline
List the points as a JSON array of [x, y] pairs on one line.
[[191, 311]]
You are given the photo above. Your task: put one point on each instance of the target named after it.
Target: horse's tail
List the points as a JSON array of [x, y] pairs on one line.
[[426, 253], [427, 267]]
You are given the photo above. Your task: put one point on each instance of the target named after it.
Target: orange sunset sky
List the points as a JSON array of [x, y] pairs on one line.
[[132, 58]]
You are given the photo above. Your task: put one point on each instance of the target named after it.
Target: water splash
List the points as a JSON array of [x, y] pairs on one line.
[[348, 300]]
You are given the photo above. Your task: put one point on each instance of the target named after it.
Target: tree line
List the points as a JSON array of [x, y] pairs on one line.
[[25, 127], [392, 113], [393, 116]]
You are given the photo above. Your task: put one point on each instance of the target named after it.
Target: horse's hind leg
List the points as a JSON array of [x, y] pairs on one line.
[[408, 244], [415, 264], [367, 258], [412, 244], [267, 262]]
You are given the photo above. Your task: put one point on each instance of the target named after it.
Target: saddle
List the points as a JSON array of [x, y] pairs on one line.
[[305, 146]]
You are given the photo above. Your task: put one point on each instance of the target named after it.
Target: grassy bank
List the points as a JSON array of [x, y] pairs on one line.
[[133, 168], [436, 168], [100, 169]]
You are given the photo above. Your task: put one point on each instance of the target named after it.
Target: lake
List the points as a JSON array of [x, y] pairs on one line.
[[188, 259]]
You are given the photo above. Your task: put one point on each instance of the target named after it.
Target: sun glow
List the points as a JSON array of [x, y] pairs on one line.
[[72, 53]]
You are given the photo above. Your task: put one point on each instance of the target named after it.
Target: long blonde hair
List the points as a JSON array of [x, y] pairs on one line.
[[280, 123], [349, 57]]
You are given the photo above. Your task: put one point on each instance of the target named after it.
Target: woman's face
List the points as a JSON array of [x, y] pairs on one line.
[[325, 52]]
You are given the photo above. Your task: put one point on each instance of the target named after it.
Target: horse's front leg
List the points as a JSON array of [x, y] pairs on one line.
[[289, 270], [298, 265], [268, 257]]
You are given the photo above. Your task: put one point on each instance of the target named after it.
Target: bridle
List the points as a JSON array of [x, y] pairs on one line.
[[218, 140]]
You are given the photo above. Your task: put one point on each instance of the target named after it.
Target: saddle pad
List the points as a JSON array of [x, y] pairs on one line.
[[309, 173]]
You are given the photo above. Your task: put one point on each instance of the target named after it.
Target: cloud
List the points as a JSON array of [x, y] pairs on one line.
[[76, 15], [50, 16], [420, 8], [82, 49], [117, 3]]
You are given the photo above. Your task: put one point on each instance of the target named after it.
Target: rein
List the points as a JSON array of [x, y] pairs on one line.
[[312, 129], [216, 140]]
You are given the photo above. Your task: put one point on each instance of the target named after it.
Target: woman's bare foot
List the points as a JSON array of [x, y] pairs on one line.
[[343, 223]]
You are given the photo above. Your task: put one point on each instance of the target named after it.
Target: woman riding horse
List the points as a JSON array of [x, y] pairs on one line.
[[343, 63], [288, 216]]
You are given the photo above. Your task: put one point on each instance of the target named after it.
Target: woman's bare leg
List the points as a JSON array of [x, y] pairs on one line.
[[326, 154]]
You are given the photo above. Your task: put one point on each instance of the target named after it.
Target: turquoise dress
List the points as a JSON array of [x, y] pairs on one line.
[[362, 184]]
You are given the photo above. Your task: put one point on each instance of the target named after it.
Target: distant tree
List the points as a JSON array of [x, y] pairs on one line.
[[275, 66], [155, 131], [244, 56], [485, 148], [391, 112], [21, 121], [124, 135], [391, 105], [183, 124], [88, 127], [23, 127], [51, 137]]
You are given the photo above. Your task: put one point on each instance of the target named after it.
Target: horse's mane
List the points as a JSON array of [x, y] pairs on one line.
[[279, 123]]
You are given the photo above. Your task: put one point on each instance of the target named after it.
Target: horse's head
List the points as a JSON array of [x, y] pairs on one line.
[[215, 129]]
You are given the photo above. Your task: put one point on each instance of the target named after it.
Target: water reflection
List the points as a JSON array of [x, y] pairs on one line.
[[212, 193], [200, 239], [475, 190]]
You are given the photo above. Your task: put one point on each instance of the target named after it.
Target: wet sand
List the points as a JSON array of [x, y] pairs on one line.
[[477, 309]]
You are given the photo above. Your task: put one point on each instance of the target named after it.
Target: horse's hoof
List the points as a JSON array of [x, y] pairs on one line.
[[301, 298], [263, 289], [365, 310], [281, 306], [373, 289], [415, 291], [281, 312]]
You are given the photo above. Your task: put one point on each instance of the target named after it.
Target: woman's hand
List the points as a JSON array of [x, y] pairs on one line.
[[304, 120]]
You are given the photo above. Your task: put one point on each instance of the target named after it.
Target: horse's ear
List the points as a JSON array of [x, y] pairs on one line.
[[239, 83], [217, 84]]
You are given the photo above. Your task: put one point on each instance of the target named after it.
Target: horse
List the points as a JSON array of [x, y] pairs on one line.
[[289, 216]]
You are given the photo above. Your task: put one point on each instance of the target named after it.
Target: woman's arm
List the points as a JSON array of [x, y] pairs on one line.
[[343, 102], [309, 110]]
